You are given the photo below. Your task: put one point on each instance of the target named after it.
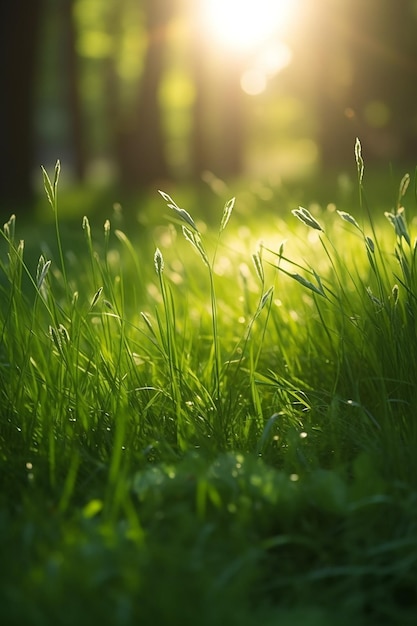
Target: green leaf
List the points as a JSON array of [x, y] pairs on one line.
[[267, 431]]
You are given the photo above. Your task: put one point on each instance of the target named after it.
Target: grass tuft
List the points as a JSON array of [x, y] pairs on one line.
[[230, 439]]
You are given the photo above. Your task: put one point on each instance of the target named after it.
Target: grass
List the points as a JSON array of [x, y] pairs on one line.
[[198, 427]]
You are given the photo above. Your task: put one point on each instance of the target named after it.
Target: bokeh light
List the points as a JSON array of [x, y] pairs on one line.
[[243, 25], [271, 59]]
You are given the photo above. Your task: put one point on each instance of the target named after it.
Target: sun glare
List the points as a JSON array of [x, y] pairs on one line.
[[243, 25], [271, 59]]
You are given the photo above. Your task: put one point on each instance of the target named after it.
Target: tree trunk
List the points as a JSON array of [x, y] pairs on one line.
[[141, 138], [73, 90], [19, 30], [217, 139], [324, 70]]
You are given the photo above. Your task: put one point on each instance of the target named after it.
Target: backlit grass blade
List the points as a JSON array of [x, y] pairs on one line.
[[398, 222], [307, 283], [42, 271], [227, 212], [158, 260], [51, 188], [9, 228], [96, 297], [359, 160], [305, 216], [405, 181], [182, 213], [195, 240], [349, 218]]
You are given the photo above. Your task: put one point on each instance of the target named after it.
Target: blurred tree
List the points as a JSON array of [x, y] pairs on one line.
[[75, 109], [217, 124], [19, 39], [140, 139], [384, 56], [356, 64], [354, 67], [321, 73], [217, 141]]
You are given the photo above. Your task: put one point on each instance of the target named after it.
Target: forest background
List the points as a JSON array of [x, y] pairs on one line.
[[133, 93]]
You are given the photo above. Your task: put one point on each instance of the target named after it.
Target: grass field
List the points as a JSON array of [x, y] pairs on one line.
[[211, 424]]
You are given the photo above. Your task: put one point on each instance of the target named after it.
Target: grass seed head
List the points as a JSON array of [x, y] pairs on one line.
[[257, 262], [227, 211], [305, 216], [398, 222], [42, 271], [86, 226], [349, 218], [182, 213], [405, 181], [158, 261], [9, 228], [359, 160], [96, 297]]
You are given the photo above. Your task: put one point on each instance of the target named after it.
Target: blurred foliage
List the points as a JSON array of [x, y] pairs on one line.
[[138, 92]]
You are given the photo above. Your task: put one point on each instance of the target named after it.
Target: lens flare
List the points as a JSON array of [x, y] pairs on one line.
[[243, 25]]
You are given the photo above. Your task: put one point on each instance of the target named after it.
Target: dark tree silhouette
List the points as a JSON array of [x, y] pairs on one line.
[[353, 54], [19, 38], [384, 55]]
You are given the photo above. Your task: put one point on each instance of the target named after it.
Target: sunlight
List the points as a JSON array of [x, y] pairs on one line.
[[243, 25], [271, 59]]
